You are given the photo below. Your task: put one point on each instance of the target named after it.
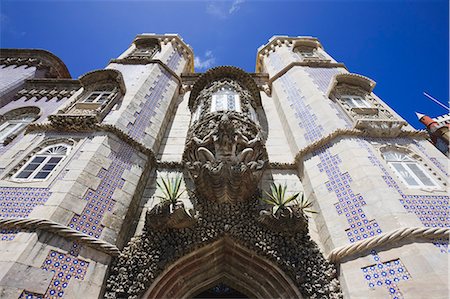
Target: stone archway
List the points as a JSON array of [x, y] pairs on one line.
[[227, 262]]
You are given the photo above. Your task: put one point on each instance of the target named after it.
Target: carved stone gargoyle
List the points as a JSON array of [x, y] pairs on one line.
[[225, 156], [289, 219], [168, 215]]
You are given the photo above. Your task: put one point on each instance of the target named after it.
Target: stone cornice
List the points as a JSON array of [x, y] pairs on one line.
[[38, 58], [316, 63], [177, 41], [352, 79], [103, 76], [351, 133], [145, 60], [48, 127]]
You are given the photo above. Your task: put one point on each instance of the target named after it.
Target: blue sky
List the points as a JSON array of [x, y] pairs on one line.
[[402, 45]]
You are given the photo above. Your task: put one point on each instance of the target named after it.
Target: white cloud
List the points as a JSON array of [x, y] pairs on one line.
[[223, 10], [206, 62], [7, 27], [235, 6]]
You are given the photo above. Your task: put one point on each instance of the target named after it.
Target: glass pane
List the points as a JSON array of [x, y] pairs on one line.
[[6, 130], [34, 163], [360, 102], [350, 102], [230, 102], [420, 174], [220, 100], [24, 174], [54, 160], [41, 174], [38, 159], [103, 98], [404, 174], [49, 167], [92, 97], [32, 166]]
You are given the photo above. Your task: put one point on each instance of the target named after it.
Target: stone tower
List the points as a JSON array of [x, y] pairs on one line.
[[145, 179]]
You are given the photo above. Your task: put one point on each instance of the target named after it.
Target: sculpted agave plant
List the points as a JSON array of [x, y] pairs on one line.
[[170, 212], [171, 191], [289, 211]]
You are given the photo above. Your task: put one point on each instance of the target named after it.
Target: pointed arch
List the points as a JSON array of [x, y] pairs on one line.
[[223, 261]]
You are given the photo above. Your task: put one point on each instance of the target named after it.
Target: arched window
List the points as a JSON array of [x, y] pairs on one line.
[[42, 164], [408, 170], [13, 126], [12, 122], [225, 99]]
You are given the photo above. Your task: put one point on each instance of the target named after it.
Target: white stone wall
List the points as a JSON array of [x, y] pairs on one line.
[[356, 193]]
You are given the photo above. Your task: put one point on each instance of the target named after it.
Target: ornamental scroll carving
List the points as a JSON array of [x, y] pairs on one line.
[[225, 156]]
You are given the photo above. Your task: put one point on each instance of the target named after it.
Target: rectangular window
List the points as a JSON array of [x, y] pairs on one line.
[[98, 97], [356, 102], [143, 52], [412, 174], [308, 54], [223, 102]]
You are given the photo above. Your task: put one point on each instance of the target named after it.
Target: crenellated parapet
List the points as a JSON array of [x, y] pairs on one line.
[[40, 59], [145, 48], [307, 51], [48, 88]]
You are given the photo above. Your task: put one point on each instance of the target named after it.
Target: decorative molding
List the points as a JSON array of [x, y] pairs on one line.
[[310, 63], [147, 60], [283, 166], [96, 128], [96, 78], [308, 42], [48, 88], [60, 230], [21, 112], [225, 72], [351, 79], [41, 59], [352, 133], [407, 233], [169, 165]]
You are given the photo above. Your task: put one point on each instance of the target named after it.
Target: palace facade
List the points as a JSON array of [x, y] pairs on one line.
[[148, 180]]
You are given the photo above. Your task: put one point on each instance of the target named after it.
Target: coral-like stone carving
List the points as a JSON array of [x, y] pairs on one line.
[[146, 257], [165, 215], [287, 220], [225, 156]]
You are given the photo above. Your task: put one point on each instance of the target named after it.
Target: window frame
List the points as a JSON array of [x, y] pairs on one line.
[[98, 97], [146, 52], [40, 168], [347, 99], [223, 92], [19, 125], [405, 162]]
